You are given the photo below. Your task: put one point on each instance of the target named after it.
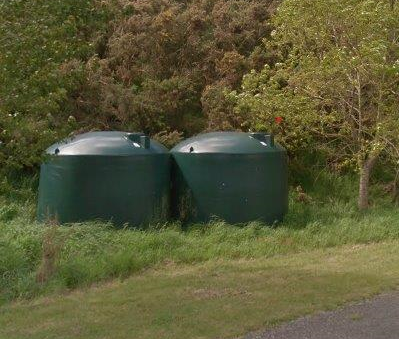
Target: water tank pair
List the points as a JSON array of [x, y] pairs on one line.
[[127, 178]]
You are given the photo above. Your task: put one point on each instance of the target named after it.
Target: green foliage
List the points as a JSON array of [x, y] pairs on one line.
[[172, 69], [264, 97], [336, 83], [43, 46], [158, 66]]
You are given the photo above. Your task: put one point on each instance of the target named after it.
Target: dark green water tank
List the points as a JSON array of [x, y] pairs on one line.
[[238, 177], [112, 176]]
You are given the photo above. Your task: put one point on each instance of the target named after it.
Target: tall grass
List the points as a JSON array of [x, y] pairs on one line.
[[91, 252]]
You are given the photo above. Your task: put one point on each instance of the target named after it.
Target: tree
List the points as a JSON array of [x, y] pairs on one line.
[[337, 82]]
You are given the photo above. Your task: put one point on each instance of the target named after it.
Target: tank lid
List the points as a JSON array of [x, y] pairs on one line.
[[228, 142], [107, 143]]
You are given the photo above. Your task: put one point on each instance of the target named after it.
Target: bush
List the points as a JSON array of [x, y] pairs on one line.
[[43, 46], [157, 66], [162, 55]]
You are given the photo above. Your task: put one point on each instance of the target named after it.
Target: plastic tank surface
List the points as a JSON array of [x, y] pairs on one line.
[[111, 176], [238, 177]]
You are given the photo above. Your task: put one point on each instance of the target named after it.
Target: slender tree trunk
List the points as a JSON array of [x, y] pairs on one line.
[[395, 192], [365, 171]]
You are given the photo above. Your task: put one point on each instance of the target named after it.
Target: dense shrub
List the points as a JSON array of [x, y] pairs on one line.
[[159, 66], [43, 49], [167, 63]]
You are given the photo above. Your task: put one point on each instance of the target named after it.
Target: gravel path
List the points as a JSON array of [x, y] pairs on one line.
[[374, 319]]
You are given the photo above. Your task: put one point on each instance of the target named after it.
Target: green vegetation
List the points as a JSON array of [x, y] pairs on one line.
[[219, 299], [336, 82], [327, 70], [157, 66], [38, 260], [43, 49]]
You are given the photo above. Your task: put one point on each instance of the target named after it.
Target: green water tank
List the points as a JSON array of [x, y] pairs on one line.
[[234, 176], [112, 176]]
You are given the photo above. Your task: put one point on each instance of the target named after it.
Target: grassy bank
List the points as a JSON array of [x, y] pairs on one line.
[[217, 299], [83, 254], [94, 252]]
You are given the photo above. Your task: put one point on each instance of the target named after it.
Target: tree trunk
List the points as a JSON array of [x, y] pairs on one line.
[[365, 171], [395, 191]]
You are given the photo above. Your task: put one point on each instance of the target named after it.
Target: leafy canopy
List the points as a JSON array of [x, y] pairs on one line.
[[336, 82]]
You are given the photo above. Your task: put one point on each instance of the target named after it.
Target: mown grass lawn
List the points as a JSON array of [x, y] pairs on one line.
[[216, 299]]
